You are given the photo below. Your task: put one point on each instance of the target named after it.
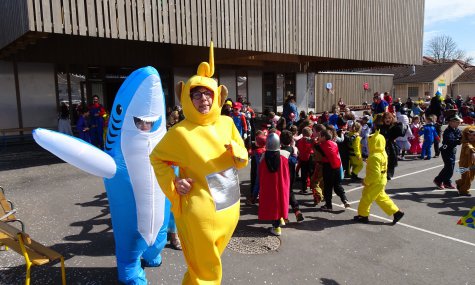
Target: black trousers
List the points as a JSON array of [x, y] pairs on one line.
[[293, 202], [448, 171], [332, 182], [436, 148], [306, 170]]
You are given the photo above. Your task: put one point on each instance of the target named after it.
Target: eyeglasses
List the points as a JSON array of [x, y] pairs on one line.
[[196, 95]]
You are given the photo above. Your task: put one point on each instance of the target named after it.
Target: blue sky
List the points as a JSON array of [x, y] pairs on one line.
[[455, 18]]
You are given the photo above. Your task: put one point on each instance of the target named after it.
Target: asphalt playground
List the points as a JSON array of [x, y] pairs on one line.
[[67, 209]]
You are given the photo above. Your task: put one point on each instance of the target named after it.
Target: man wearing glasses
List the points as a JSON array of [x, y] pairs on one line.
[[208, 149]]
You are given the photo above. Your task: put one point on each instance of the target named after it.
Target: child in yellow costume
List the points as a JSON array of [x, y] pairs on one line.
[[208, 150], [375, 182], [467, 160], [356, 159]]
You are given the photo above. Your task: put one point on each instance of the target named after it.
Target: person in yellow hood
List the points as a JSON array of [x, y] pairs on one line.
[[208, 149], [375, 182]]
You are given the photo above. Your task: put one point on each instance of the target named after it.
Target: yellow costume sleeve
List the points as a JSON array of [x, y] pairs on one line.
[[162, 163], [239, 151], [357, 146]]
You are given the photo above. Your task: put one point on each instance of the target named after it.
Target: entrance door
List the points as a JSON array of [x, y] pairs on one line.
[[269, 92]]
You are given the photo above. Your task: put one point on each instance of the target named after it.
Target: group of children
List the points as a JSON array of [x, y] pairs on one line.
[[324, 154]]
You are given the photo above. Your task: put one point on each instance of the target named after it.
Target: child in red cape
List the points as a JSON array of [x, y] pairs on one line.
[[274, 183]]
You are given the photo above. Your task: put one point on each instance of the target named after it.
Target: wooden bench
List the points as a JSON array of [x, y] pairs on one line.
[[7, 210], [20, 242], [359, 107], [33, 252]]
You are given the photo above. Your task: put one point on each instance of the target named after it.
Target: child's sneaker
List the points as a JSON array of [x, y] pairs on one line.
[[299, 216], [450, 186], [346, 204], [361, 219], [439, 185], [250, 201], [316, 197], [283, 222], [326, 208], [276, 231], [397, 216], [355, 177]]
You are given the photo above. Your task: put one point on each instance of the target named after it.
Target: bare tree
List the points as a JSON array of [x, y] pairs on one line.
[[443, 48]]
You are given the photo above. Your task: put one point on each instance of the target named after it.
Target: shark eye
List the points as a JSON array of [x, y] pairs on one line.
[[118, 109]]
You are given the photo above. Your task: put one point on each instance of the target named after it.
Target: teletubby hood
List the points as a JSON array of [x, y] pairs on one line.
[[203, 78], [376, 143]]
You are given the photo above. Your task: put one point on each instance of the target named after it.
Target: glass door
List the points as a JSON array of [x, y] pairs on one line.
[[269, 92]]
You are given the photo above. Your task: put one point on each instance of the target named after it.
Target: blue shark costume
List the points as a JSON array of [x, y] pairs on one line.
[[139, 209]]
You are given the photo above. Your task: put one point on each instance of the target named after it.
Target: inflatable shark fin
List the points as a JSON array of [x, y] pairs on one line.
[[76, 152]]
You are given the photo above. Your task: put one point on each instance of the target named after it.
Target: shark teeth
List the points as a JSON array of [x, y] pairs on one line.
[[145, 123], [148, 119]]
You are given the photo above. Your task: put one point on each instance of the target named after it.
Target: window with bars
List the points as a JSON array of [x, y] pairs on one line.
[[413, 91]]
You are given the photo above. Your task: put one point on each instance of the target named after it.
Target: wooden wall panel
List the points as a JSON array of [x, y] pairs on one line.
[[113, 19], [121, 20], [91, 18], [365, 30], [38, 20], [128, 19], [81, 18], [105, 13], [57, 17], [166, 22], [178, 21], [148, 20], [214, 21], [141, 20], [187, 16], [159, 22], [349, 87]]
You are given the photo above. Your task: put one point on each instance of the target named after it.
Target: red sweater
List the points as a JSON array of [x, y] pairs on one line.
[[305, 147], [331, 154]]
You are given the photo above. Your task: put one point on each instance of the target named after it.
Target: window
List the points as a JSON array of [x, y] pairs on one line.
[[241, 81], [413, 92]]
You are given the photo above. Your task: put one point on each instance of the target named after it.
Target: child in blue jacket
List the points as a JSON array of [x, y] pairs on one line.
[[430, 135]]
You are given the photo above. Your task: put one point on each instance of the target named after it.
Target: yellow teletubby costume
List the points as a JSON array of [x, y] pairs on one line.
[[356, 159], [207, 216], [375, 181]]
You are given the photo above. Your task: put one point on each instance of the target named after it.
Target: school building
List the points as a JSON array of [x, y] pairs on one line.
[[54, 51]]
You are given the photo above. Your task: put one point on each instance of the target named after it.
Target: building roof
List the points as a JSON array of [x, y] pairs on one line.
[[423, 73], [467, 76]]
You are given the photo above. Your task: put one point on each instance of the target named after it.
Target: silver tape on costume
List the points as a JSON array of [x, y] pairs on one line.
[[224, 187]]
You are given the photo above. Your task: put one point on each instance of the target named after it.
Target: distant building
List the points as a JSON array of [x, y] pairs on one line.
[[464, 85], [422, 80], [67, 51]]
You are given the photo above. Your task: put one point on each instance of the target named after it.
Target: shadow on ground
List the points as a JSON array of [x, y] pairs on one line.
[[449, 201], [28, 154], [51, 274]]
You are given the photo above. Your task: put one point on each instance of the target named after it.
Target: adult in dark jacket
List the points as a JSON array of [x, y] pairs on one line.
[[390, 129], [435, 106], [290, 108]]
